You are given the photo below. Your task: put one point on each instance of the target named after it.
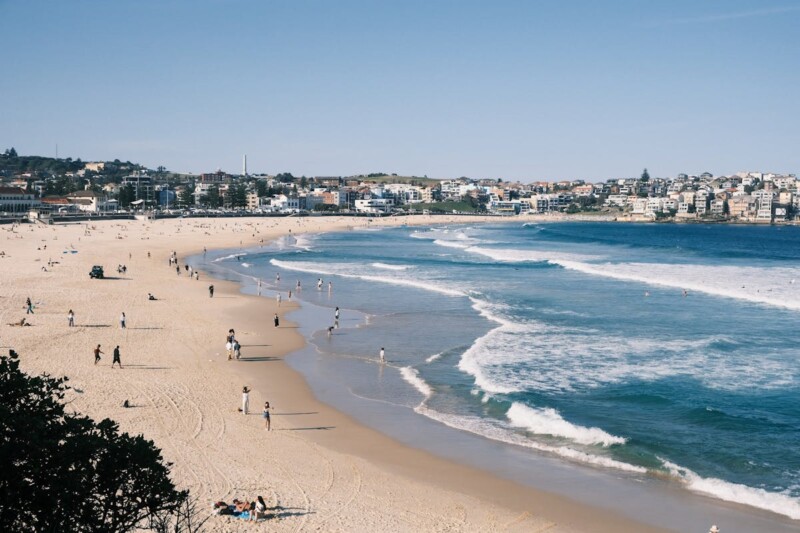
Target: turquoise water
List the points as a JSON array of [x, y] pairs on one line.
[[638, 348]]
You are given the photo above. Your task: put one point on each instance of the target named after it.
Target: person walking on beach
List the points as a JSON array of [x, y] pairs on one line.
[[71, 319], [122, 320], [97, 353], [265, 416], [116, 359], [336, 314], [277, 320], [245, 400], [210, 291], [196, 275], [178, 269], [383, 355], [30, 307], [278, 298], [237, 349], [229, 349]]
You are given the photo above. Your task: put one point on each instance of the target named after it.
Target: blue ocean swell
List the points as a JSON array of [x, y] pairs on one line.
[[704, 382]]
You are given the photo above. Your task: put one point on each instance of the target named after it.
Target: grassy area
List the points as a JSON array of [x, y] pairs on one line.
[[428, 182]]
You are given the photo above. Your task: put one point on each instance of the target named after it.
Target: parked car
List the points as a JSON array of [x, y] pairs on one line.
[[97, 272]]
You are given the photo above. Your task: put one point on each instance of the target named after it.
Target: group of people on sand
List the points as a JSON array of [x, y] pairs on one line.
[[256, 510], [232, 346], [245, 408]]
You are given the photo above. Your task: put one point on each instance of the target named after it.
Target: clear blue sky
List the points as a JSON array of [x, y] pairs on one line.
[[519, 90]]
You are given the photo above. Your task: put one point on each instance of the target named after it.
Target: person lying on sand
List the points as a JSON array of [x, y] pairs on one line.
[[241, 505], [22, 322]]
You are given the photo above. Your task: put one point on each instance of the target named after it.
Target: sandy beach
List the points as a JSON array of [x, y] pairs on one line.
[[318, 469]]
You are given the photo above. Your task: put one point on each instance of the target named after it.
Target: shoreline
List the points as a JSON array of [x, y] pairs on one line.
[[700, 505], [362, 480], [403, 459]]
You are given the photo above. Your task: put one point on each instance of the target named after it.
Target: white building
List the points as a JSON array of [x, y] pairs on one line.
[[16, 200], [374, 205]]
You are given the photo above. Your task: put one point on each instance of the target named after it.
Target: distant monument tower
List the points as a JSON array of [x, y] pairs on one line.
[[244, 165]]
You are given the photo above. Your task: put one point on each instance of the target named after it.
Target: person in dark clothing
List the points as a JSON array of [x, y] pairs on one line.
[[210, 291], [277, 320], [97, 353], [116, 358]]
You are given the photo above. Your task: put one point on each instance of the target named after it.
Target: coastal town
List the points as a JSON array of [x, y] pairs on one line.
[[40, 186]]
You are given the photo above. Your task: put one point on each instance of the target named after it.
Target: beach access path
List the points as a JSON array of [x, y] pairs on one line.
[[317, 469]]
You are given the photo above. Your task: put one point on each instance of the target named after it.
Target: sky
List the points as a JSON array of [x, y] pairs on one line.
[[518, 90]]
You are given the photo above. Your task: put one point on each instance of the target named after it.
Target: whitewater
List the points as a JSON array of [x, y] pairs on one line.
[[661, 351]]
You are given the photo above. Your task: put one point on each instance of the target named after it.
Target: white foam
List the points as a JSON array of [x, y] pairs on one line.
[[531, 355], [547, 421], [385, 266], [510, 255], [232, 256], [345, 270], [451, 244], [735, 492], [303, 242], [493, 430], [411, 375], [246, 265], [770, 286], [434, 357]]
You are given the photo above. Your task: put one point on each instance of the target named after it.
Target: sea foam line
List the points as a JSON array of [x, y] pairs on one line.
[[489, 430], [735, 492], [314, 269], [386, 266], [547, 421], [232, 256], [411, 375]]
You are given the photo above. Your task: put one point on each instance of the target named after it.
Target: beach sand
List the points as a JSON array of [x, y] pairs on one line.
[[318, 468]]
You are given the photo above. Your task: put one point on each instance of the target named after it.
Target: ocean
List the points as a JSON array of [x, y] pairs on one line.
[[652, 351]]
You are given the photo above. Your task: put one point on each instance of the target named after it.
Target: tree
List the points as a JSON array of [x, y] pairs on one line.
[[212, 197], [261, 188], [87, 475], [186, 197], [238, 195], [127, 194], [645, 176]]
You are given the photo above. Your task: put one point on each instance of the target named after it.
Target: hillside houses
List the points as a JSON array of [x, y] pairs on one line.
[[99, 187]]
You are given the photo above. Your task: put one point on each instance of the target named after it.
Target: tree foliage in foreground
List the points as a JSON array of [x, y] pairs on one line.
[[65, 472]]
